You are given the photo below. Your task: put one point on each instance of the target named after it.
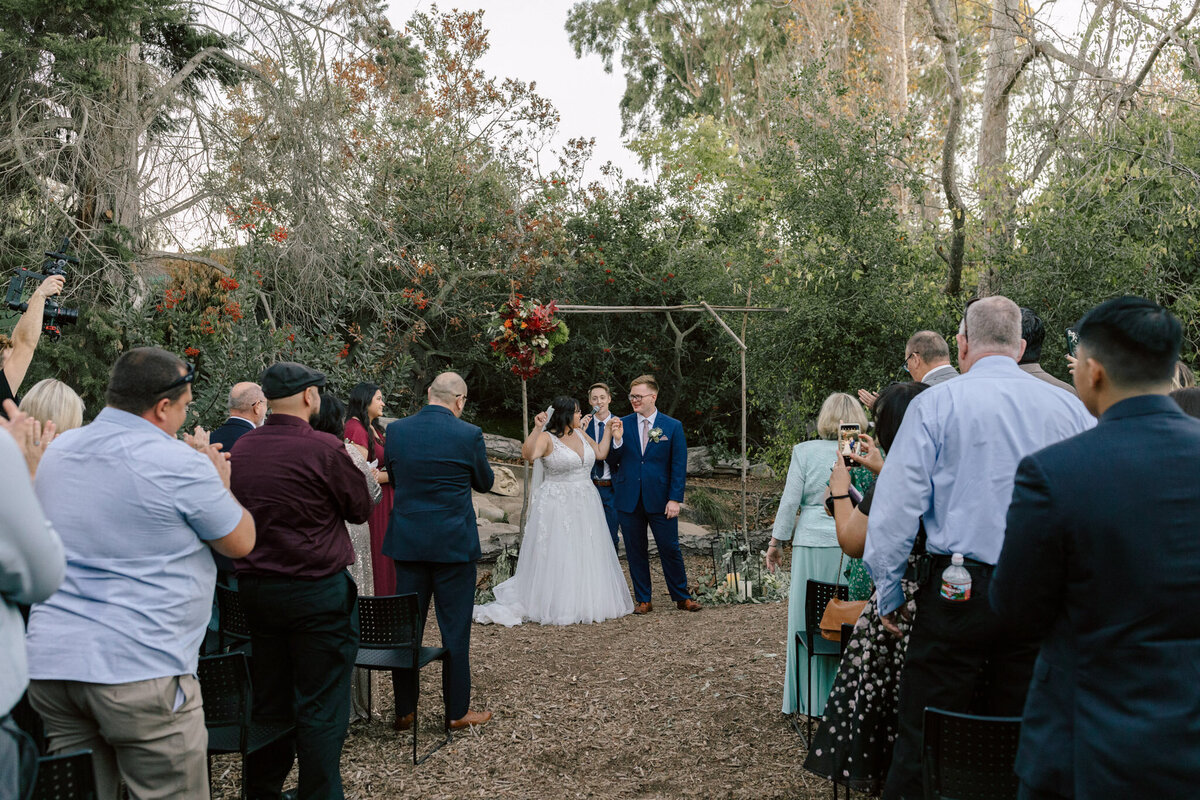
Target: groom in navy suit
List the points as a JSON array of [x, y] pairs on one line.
[[648, 479]]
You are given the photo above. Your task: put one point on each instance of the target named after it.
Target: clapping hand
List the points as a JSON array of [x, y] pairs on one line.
[[867, 398], [199, 441], [31, 436]]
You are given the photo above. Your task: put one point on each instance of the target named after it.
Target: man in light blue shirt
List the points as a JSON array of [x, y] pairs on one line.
[[112, 654], [953, 464]]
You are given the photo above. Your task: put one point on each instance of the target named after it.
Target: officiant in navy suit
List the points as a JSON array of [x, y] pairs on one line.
[[1101, 557], [599, 397], [434, 460], [650, 472]]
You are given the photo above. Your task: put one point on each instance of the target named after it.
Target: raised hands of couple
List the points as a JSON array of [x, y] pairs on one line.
[[31, 436], [198, 440]]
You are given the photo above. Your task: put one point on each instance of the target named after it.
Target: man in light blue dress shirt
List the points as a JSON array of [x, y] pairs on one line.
[[953, 464], [112, 654]]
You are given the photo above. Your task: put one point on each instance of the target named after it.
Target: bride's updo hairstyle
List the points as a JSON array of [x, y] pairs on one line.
[[564, 414]]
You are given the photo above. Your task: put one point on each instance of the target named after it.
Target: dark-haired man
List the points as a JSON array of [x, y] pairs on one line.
[[1033, 333], [113, 653], [1101, 558], [300, 601]]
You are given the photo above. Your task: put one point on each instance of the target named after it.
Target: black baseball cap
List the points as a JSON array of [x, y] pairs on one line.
[[286, 378]]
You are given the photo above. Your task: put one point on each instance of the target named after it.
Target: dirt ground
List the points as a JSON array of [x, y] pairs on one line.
[[669, 705]]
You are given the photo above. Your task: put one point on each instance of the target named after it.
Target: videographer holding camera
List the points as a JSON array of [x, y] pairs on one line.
[[17, 354]]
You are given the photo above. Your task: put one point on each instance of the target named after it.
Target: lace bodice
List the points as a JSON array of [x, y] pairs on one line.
[[564, 464]]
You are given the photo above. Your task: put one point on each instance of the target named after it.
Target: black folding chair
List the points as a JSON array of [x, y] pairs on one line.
[[233, 632], [818, 595], [228, 705], [967, 757], [65, 777], [390, 633]]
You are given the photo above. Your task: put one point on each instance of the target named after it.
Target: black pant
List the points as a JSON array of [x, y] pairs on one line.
[[960, 658], [453, 586], [304, 635]]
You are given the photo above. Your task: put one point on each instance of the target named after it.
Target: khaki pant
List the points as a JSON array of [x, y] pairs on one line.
[[134, 731]]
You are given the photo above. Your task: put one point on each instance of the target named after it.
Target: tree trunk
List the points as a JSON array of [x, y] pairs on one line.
[[1000, 72], [946, 31], [894, 35]]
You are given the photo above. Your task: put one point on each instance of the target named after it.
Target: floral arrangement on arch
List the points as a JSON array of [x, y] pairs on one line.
[[525, 335]]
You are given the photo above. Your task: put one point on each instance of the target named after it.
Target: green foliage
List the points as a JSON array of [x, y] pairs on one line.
[[706, 509]]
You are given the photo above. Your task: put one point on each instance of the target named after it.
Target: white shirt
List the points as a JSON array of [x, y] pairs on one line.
[[607, 473], [642, 420]]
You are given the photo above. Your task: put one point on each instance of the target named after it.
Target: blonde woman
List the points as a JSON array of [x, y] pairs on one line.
[[52, 400], [815, 551]]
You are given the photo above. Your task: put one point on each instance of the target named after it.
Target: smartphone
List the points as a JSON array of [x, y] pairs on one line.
[[848, 441], [1072, 341]]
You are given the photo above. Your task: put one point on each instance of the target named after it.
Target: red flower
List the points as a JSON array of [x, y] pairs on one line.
[[345, 351], [191, 352], [229, 284]]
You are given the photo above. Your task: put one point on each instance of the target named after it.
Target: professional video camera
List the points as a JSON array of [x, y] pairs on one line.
[[55, 264]]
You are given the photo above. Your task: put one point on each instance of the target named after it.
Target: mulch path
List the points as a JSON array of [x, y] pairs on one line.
[[669, 705]]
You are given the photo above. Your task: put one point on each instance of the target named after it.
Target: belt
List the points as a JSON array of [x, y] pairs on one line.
[[599, 482]]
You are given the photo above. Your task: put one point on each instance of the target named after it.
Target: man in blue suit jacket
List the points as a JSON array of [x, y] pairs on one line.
[[649, 472], [1101, 557], [434, 460], [247, 410]]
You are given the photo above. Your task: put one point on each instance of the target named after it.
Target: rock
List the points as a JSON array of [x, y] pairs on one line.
[[501, 446], [694, 539], [506, 482], [699, 462], [733, 466], [485, 509], [760, 471], [495, 536]]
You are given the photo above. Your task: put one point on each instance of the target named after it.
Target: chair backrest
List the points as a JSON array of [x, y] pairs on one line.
[[817, 596], [225, 689], [233, 618], [388, 621], [65, 777], [968, 757]]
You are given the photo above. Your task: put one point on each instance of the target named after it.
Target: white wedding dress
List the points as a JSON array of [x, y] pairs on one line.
[[568, 571]]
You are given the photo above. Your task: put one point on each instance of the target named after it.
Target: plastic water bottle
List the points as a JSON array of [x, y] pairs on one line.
[[956, 580]]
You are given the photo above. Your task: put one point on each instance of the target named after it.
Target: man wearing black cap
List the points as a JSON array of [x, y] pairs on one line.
[[299, 485]]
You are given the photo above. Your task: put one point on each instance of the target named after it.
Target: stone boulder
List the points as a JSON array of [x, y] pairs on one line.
[[506, 482], [699, 462], [502, 447], [495, 536]]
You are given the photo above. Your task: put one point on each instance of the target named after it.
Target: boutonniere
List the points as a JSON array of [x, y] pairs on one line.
[[656, 435]]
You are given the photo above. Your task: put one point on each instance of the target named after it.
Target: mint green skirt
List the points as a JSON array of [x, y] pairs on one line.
[[818, 564]]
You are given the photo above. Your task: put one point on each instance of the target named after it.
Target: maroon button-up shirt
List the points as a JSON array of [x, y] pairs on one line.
[[299, 485]]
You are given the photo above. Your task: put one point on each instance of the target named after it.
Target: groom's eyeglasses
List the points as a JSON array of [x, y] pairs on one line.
[[633, 397]]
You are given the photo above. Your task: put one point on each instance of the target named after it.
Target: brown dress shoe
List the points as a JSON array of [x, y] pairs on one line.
[[472, 718], [643, 608], [689, 605], [405, 722]]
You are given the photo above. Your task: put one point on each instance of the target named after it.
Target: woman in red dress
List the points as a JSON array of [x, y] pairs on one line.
[[363, 429]]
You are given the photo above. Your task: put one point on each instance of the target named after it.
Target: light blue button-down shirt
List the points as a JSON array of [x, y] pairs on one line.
[[135, 508], [953, 463]]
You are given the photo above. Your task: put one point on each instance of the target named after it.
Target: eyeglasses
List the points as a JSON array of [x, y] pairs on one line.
[[633, 397], [907, 359], [967, 309], [183, 379]]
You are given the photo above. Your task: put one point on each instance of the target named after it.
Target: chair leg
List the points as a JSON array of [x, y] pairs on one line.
[[446, 723], [370, 680], [416, 679]]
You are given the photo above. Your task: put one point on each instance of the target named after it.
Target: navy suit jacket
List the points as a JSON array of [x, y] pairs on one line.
[[1102, 556], [657, 475], [229, 432], [434, 459]]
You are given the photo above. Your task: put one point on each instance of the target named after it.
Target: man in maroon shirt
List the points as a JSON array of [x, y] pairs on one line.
[[299, 485]]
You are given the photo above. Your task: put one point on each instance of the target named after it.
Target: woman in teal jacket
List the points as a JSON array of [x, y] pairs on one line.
[[815, 551]]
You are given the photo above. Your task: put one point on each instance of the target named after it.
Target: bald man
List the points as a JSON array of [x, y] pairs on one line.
[[434, 460], [247, 410]]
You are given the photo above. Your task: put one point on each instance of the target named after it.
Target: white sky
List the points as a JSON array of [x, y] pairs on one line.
[[529, 42]]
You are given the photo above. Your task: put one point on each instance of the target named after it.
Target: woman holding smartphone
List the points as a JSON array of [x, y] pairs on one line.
[[815, 552]]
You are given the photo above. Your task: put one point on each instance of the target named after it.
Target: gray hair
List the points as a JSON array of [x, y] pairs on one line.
[[447, 387], [243, 396], [993, 323], [929, 345]]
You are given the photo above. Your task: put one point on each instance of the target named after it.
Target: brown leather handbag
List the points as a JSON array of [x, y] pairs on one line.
[[839, 613]]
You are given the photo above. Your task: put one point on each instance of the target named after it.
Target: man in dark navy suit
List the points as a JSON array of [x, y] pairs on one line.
[[650, 469], [599, 397], [1101, 557], [247, 410], [434, 460]]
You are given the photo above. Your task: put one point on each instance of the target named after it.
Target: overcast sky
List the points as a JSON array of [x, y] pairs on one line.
[[529, 42]]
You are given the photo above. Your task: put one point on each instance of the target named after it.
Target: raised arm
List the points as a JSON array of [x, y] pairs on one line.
[[604, 446], [27, 331]]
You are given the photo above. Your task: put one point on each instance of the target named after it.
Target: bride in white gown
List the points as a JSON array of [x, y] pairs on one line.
[[568, 571]]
